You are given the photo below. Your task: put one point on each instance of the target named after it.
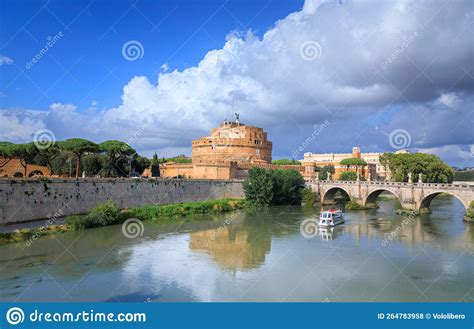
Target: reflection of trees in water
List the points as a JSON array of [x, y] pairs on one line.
[[243, 243], [424, 230]]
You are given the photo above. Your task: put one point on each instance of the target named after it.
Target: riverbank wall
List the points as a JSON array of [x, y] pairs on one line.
[[24, 200]]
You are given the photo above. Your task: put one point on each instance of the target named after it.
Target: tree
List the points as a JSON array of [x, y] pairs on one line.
[[155, 166], [23, 152], [308, 197], [278, 187], [46, 156], [92, 164], [79, 147], [61, 164], [325, 171], [258, 187], [181, 158], [357, 162], [467, 175], [4, 146], [287, 186], [286, 162], [139, 163], [348, 176], [432, 169], [117, 153]]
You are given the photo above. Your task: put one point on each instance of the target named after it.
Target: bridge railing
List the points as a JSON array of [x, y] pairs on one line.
[[396, 184]]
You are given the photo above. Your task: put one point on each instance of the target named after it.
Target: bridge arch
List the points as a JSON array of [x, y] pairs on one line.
[[35, 173], [329, 195], [370, 200], [424, 205]]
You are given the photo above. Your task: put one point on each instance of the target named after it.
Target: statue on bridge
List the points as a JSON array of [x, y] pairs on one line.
[[420, 179], [410, 180]]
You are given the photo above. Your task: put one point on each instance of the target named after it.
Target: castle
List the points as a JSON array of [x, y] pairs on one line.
[[228, 153]]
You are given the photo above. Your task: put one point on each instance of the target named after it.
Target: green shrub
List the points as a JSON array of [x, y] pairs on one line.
[[470, 210], [351, 205], [258, 187], [308, 197], [76, 223], [103, 214]]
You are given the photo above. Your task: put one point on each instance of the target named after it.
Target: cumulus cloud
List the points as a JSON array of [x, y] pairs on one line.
[[398, 65]]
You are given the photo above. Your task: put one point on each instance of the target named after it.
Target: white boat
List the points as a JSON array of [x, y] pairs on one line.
[[331, 217]]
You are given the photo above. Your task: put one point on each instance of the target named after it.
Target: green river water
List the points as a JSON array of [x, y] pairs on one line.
[[251, 255]]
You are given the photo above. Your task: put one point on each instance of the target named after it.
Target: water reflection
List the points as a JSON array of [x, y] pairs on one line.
[[330, 233], [233, 248], [252, 255]]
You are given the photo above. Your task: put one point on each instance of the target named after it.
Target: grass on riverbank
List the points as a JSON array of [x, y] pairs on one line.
[[108, 213], [470, 212], [351, 205], [31, 235], [159, 213]]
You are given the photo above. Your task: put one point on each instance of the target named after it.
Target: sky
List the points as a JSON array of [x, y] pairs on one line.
[[319, 76]]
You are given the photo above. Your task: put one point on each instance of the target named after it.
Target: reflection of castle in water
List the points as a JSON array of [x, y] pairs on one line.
[[235, 246]]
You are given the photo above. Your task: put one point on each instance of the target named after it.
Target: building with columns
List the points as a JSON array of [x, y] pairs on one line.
[[374, 168]]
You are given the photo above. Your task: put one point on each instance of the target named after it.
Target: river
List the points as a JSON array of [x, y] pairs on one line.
[[250, 255]]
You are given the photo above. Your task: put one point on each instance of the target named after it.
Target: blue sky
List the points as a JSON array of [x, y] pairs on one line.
[[178, 33], [396, 75]]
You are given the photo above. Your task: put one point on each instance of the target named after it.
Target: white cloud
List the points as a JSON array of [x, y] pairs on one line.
[[450, 100], [70, 108], [5, 60], [271, 85], [20, 125], [462, 154]]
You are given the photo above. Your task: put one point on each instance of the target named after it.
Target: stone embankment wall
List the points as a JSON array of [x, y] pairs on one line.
[[23, 200]]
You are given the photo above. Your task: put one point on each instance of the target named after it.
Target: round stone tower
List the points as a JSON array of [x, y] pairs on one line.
[[233, 141]]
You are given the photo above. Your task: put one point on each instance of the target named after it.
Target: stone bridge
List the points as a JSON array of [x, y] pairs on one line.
[[412, 196]]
